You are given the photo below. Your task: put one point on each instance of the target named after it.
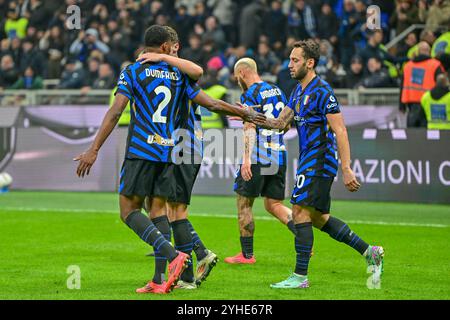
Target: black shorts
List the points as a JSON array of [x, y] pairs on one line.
[[269, 186], [312, 192], [177, 182], [141, 177]]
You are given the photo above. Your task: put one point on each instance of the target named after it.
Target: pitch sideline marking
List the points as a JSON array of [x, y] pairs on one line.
[[382, 223]]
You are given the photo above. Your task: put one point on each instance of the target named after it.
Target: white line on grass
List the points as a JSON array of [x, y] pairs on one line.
[[268, 218]]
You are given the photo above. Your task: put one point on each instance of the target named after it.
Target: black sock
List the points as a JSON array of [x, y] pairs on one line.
[[291, 226], [304, 240], [199, 247], [183, 242], [147, 231], [162, 223], [247, 246], [339, 231]]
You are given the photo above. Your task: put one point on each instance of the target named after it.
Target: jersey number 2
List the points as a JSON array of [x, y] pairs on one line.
[[157, 116]]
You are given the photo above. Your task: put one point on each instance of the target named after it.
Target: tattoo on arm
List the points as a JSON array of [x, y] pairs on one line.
[[249, 140], [284, 119]]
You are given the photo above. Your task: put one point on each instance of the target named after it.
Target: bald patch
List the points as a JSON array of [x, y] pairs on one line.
[[424, 48], [246, 62]]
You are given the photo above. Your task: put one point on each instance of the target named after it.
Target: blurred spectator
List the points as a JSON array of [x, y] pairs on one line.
[[8, 72], [266, 60], [15, 25], [251, 24], [194, 51], [209, 50], [72, 76], [38, 16], [356, 73], [328, 25], [419, 75], [29, 80], [234, 54], [31, 56], [404, 48], [436, 104], [16, 50], [325, 59], [87, 42], [374, 49], [348, 23], [200, 15], [119, 44], [52, 40], [406, 14], [214, 32], [436, 15], [183, 25], [223, 11], [156, 8], [336, 74], [100, 15], [106, 79], [5, 46], [92, 72], [275, 24], [301, 21], [377, 77], [359, 31]]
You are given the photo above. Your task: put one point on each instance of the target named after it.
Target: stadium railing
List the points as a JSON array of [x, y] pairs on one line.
[[375, 97]]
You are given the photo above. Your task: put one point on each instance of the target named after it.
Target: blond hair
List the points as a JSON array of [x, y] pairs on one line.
[[247, 62]]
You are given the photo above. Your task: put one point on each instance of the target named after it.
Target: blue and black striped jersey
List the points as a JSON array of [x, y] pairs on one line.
[[190, 133], [269, 146], [318, 153], [157, 91]]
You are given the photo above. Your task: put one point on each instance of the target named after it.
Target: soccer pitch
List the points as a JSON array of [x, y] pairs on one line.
[[43, 233]]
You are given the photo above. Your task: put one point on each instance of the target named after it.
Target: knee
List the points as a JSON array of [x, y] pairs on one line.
[[270, 205], [319, 220]]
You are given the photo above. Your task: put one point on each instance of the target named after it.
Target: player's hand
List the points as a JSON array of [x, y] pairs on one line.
[[86, 161], [150, 57], [350, 181], [246, 171], [253, 116]]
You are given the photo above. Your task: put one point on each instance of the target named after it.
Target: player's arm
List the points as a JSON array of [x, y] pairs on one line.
[[281, 123], [249, 143], [219, 106], [87, 158], [336, 122], [187, 67]]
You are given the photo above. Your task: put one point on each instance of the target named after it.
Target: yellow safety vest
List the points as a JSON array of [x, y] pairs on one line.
[[125, 118], [212, 119], [20, 26], [437, 111], [392, 69], [441, 45], [413, 51]]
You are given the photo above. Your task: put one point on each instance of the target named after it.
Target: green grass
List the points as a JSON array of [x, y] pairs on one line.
[[43, 233]]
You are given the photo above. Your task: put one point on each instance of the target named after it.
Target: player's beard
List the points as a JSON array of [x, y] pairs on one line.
[[301, 73], [242, 84]]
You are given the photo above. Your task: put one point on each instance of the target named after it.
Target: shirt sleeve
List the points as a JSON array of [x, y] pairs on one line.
[[125, 84], [332, 105], [192, 88]]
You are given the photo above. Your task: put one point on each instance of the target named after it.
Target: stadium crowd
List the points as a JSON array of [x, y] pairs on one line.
[[36, 43]]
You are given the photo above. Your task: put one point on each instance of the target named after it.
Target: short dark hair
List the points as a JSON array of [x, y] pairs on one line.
[[156, 35], [173, 34], [311, 49]]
